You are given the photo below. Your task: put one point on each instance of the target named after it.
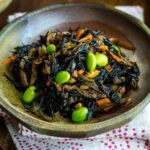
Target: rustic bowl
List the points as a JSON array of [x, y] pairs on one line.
[[63, 16]]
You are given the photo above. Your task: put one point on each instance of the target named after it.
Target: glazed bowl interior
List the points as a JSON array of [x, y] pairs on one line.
[[113, 23]]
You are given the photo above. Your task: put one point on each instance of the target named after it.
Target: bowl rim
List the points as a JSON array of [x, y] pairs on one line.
[[40, 124]]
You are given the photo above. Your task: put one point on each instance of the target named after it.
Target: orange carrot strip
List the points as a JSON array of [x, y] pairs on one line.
[[88, 37], [122, 44], [129, 99], [8, 60], [108, 68], [48, 83], [59, 86], [103, 47], [115, 56], [80, 32], [107, 108], [103, 101], [13, 57], [81, 71]]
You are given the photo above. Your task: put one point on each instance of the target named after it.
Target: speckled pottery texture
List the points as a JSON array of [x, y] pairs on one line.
[[63, 16]]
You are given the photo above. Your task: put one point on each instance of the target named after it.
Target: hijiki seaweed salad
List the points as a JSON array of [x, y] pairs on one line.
[[74, 74]]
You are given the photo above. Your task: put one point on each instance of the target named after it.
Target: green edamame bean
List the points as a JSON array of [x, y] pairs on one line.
[[90, 61], [62, 77], [101, 59], [29, 94], [51, 48], [80, 114], [116, 48]]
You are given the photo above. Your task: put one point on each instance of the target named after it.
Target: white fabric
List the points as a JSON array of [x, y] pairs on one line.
[[134, 135]]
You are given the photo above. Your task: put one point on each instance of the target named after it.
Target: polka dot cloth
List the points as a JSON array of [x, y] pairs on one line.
[[132, 136]]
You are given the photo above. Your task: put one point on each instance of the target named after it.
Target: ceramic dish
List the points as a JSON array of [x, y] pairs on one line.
[[63, 16]]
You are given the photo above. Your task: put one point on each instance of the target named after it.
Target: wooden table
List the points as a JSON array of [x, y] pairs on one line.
[[30, 5]]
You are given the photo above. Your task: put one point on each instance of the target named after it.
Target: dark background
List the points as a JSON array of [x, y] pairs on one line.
[[30, 5]]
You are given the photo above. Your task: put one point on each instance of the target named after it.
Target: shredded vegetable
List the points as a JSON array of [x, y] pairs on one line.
[[79, 67]]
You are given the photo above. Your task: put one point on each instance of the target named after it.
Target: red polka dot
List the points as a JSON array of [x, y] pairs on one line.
[[113, 142], [106, 143], [107, 134], [127, 142], [126, 126], [101, 141], [109, 146], [58, 142], [77, 149], [125, 134], [115, 136], [134, 134], [119, 130], [81, 144], [119, 135], [126, 129], [128, 146], [114, 131], [76, 143], [121, 145], [142, 135], [138, 145], [71, 143], [115, 146], [72, 147], [133, 129], [26, 130], [110, 139], [131, 138]]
